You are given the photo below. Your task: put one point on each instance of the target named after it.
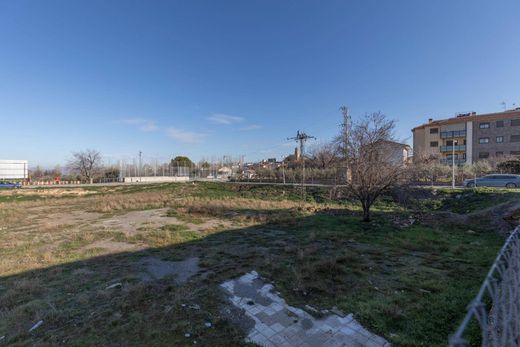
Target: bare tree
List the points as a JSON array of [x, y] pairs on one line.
[[427, 167], [85, 163], [368, 149], [478, 168], [323, 155]]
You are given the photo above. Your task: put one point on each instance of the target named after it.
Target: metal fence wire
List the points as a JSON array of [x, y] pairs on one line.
[[496, 308]]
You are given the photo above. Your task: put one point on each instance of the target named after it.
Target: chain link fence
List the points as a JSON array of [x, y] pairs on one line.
[[496, 308]]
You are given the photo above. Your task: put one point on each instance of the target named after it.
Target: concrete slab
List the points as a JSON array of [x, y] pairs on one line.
[[280, 325]]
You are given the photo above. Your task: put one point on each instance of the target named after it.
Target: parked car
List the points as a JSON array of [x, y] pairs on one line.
[[495, 180], [9, 185]]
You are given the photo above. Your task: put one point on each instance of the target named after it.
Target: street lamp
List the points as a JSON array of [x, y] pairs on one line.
[[453, 165]]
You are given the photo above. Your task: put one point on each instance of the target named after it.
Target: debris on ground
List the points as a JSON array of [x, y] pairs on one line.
[[310, 308], [36, 326], [115, 285], [275, 323]]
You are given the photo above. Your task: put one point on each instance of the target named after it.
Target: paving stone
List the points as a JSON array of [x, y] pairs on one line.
[[277, 327], [278, 324], [333, 322], [282, 318], [326, 327], [360, 338], [317, 340], [373, 343], [276, 306], [378, 339], [267, 332], [278, 339]]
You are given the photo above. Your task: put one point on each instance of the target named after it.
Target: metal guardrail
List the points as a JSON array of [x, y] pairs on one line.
[[450, 148], [450, 134], [496, 308], [450, 161]]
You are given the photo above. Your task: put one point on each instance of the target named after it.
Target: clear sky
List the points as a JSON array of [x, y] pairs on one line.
[[212, 78]]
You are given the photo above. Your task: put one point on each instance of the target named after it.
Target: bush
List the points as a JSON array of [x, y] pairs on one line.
[[509, 166]]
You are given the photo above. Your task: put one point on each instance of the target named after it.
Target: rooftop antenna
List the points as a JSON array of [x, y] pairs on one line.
[[504, 105], [302, 137]]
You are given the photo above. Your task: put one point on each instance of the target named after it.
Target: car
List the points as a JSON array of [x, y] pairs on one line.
[[494, 180], [9, 185]]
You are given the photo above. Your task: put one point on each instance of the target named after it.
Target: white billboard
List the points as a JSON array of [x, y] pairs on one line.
[[13, 169]]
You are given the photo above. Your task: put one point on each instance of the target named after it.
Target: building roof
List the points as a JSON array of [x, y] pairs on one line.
[[471, 117], [395, 144]]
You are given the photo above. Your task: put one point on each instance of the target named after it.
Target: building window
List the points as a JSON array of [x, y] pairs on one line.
[[483, 140], [500, 139], [500, 123], [434, 130], [515, 122], [483, 155], [434, 144], [515, 138], [499, 154], [515, 153], [483, 125], [449, 143]]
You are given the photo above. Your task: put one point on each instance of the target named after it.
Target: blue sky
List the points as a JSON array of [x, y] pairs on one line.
[[213, 78]]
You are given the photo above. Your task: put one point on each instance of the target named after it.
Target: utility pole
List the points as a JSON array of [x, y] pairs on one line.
[[346, 128], [453, 165], [283, 170], [302, 137], [140, 163]]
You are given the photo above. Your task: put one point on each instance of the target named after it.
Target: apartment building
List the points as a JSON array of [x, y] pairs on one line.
[[469, 137]]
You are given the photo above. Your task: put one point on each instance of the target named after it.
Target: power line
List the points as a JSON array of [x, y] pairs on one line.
[[302, 137]]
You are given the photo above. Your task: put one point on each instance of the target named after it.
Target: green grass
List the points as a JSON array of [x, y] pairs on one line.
[[460, 200], [470, 200], [411, 285]]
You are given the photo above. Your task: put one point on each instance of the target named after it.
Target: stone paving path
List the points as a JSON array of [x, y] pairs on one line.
[[278, 324]]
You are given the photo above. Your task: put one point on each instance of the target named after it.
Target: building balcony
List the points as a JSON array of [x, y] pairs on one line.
[[450, 148], [450, 161], [452, 134]]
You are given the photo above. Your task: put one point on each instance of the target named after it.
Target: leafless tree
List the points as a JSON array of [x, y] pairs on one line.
[[323, 155], [86, 163], [368, 148], [427, 167]]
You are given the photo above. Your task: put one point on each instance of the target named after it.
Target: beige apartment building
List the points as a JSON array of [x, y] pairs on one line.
[[467, 138]]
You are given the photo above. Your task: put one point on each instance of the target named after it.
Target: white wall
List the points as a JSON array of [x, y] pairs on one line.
[[156, 179], [469, 142], [13, 169]]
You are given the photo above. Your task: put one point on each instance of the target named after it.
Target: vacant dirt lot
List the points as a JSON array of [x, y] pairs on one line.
[[142, 265]]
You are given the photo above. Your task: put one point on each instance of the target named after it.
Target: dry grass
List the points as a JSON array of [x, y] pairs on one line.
[[244, 210], [9, 215], [134, 201], [57, 261]]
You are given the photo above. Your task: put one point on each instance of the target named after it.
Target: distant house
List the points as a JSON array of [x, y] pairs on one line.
[[224, 172], [395, 152], [249, 173]]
